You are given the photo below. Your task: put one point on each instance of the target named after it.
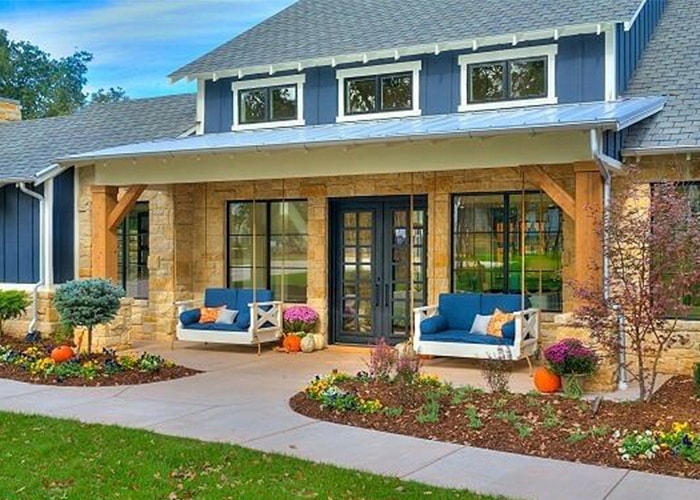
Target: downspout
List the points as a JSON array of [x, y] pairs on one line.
[[606, 163], [31, 331]]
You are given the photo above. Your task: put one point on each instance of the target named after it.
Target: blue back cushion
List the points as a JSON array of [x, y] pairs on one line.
[[506, 302], [245, 297], [459, 309], [217, 297]]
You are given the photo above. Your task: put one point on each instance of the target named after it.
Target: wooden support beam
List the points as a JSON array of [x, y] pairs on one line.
[[104, 240], [124, 206], [541, 179], [589, 213]]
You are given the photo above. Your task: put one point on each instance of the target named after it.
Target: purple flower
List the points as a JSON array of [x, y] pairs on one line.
[[571, 356], [299, 319]]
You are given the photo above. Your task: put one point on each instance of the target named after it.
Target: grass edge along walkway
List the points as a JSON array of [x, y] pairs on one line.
[[42, 457]]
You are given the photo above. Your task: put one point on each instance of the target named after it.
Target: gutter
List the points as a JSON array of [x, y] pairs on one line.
[[32, 334], [607, 166]]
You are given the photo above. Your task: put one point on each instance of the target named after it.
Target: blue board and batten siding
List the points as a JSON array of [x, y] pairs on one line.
[[19, 232], [64, 227], [632, 43], [580, 77], [19, 236]]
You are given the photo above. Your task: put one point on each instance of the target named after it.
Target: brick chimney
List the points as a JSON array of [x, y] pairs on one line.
[[10, 110]]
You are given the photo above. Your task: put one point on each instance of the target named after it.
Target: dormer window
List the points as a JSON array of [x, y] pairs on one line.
[[508, 78], [384, 91], [268, 102]]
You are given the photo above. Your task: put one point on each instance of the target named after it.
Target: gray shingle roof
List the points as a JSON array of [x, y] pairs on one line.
[[326, 28], [27, 147], [671, 67]]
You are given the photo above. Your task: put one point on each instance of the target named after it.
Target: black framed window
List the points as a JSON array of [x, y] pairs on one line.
[[280, 247], [379, 93], [268, 104], [507, 80], [487, 245], [132, 252]]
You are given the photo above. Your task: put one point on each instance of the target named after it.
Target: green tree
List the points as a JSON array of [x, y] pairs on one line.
[[45, 86], [87, 303], [109, 95]]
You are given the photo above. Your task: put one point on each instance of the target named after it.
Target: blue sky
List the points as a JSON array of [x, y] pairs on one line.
[[135, 43]]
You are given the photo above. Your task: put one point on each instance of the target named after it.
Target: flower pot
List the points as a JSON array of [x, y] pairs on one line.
[[572, 384]]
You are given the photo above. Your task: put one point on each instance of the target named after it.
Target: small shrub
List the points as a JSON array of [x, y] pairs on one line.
[[382, 361], [394, 412], [408, 365], [13, 303], [150, 363], [637, 445], [523, 430], [551, 418], [576, 436], [696, 378], [497, 371], [429, 413], [507, 416], [88, 303], [463, 394], [473, 415]]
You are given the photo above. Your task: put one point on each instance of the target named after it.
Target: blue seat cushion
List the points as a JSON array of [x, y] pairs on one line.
[[245, 297], [433, 325], [189, 317], [506, 302], [217, 297], [464, 337], [218, 327], [459, 309]]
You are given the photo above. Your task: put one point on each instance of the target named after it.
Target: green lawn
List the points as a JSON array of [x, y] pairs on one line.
[[50, 458]]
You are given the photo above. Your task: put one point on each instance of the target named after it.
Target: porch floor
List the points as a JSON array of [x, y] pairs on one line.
[[242, 398]]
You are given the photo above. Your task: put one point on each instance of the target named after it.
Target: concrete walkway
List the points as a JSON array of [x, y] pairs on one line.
[[242, 398]]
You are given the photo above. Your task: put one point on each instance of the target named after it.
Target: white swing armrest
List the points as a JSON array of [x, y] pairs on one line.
[[260, 317], [527, 326]]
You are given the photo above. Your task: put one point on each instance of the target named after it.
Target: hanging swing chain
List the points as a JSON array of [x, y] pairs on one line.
[[284, 242], [522, 240], [254, 262], [411, 294]]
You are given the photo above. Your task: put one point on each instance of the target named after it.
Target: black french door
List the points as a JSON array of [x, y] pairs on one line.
[[371, 267]]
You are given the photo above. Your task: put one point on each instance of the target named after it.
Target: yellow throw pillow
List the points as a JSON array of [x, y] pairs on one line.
[[498, 319], [208, 314]]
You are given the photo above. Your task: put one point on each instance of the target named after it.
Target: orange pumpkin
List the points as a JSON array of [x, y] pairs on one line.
[[292, 343], [546, 381], [62, 353]]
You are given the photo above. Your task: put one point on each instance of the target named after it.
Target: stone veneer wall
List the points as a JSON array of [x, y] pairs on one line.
[[187, 247]]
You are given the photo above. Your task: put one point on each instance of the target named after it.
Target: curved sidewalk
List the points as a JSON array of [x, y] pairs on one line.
[[242, 399]]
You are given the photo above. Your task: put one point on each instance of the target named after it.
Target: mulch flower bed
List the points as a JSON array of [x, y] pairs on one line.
[[549, 426], [31, 362]]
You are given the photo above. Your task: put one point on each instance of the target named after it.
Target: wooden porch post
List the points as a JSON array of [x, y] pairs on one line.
[[589, 213], [104, 239]]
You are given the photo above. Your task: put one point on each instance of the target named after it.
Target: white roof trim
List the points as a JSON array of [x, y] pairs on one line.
[[49, 172], [628, 24], [661, 150], [390, 52]]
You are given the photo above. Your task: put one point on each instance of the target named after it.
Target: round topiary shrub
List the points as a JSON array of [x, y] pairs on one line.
[[88, 303]]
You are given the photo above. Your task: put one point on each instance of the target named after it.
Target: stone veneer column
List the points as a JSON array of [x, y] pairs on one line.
[[317, 295]]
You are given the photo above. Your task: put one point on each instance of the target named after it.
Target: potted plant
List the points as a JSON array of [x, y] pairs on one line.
[[300, 321], [573, 362]]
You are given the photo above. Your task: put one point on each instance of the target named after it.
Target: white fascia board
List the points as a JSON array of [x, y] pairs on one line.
[[49, 172], [661, 150], [628, 24], [410, 50]]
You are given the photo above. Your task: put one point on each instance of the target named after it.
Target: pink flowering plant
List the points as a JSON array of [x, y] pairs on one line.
[[571, 357], [300, 319]]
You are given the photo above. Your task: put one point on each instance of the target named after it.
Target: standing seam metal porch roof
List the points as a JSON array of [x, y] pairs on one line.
[[616, 115]]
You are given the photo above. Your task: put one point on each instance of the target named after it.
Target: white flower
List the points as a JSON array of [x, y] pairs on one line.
[[625, 457]]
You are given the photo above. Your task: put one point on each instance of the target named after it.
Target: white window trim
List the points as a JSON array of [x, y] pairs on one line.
[[381, 69], [549, 51], [298, 80]]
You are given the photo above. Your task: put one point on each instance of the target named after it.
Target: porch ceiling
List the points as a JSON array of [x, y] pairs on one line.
[[616, 115]]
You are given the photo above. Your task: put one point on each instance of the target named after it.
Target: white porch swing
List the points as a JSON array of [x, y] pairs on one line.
[[257, 321], [456, 311]]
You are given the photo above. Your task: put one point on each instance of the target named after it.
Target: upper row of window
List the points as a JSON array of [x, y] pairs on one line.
[[498, 79]]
